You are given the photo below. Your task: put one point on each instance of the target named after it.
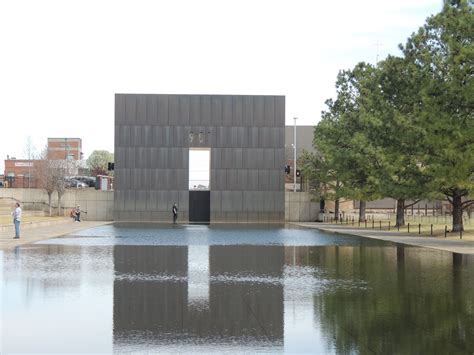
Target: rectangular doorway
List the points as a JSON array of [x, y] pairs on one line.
[[199, 185]]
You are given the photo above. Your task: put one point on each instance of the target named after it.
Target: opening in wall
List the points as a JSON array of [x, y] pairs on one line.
[[199, 169]]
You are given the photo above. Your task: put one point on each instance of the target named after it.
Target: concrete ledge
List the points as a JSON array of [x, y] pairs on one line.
[[45, 232], [34, 224]]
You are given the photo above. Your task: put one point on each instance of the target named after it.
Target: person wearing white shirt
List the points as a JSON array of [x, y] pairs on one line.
[[17, 220]]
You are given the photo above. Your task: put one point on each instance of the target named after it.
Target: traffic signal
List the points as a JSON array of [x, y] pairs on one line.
[[110, 166], [298, 173]]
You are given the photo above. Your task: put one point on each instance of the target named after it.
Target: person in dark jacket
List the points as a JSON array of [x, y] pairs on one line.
[[175, 212]]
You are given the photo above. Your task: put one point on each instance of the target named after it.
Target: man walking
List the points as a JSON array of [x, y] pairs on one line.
[[175, 212], [17, 220]]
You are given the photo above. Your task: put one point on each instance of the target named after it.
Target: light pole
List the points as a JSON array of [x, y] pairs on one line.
[[66, 146], [294, 155]]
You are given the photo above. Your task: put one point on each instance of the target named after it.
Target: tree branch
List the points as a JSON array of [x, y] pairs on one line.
[[471, 202], [468, 202], [411, 204]]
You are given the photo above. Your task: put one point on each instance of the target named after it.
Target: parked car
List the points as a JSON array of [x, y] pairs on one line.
[[88, 180], [70, 183]]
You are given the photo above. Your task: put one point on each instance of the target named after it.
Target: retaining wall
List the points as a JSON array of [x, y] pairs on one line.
[[98, 204], [300, 208]]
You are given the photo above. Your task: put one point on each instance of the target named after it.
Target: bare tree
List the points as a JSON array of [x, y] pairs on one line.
[[60, 171], [46, 179], [29, 153]]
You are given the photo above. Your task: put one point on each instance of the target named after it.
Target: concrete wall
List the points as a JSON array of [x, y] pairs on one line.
[[152, 139], [300, 208], [98, 204]]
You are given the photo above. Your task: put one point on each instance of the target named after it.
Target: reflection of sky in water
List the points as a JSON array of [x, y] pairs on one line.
[[220, 289], [151, 234]]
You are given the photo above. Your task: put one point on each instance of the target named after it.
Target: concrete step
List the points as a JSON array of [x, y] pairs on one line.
[[24, 213], [7, 205]]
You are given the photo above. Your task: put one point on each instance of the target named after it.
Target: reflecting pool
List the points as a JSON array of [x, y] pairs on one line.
[[128, 288]]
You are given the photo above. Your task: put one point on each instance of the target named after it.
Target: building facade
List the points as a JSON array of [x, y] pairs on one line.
[[67, 152], [20, 173], [64, 148], [155, 136]]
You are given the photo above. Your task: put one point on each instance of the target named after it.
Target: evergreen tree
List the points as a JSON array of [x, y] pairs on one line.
[[443, 52]]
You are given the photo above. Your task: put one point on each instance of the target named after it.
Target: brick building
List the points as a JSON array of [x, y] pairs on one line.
[[64, 148], [20, 173]]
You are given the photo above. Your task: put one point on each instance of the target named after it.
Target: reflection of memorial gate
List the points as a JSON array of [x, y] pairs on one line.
[[199, 206], [166, 294]]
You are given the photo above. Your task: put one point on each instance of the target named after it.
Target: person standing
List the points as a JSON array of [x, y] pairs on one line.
[[175, 212], [77, 213], [17, 220]]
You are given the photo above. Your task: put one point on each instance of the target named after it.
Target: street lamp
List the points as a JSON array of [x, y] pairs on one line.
[[294, 156]]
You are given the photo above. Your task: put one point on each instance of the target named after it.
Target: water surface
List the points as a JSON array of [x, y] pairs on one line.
[[128, 288]]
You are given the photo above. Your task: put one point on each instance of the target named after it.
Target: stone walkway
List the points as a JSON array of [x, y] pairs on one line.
[[46, 232], [452, 244]]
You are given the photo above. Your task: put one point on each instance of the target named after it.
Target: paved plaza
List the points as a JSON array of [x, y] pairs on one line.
[[32, 235], [452, 244]]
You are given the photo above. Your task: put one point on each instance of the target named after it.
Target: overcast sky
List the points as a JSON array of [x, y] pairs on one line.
[[62, 61]]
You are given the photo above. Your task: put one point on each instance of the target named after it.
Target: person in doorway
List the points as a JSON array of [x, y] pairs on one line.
[[17, 220], [175, 212]]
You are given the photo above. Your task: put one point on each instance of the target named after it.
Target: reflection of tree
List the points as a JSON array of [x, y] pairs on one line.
[[415, 301]]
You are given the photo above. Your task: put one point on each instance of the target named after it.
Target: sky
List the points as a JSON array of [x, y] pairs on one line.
[[61, 62]]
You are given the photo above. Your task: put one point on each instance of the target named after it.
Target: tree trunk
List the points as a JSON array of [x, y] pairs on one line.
[[59, 204], [49, 202], [336, 209], [400, 213], [457, 213], [362, 205]]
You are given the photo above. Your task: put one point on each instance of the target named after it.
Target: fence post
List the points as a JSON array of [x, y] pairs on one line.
[[388, 225], [431, 233], [380, 224], [445, 231], [419, 228], [365, 223], [408, 227], [373, 223]]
